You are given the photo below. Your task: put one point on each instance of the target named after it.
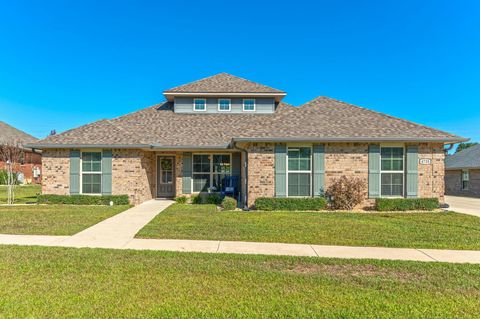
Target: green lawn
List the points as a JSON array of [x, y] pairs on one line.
[[40, 282], [52, 219], [23, 194], [419, 230]]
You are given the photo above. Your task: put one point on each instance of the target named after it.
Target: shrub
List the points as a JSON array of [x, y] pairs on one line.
[[197, 199], [229, 203], [83, 199], [402, 204], [181, 199], [346, 192], [269, 203], [213, 198]]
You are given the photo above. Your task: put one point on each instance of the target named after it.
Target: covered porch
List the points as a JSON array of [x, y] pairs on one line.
[[192, 172]]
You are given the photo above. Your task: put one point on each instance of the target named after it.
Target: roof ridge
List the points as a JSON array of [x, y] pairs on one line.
[[195, 81], [218, 82]]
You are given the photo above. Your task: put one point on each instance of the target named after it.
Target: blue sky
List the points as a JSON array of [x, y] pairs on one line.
[[67, 63]]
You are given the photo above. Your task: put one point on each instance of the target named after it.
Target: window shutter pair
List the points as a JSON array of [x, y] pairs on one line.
[[281, 170], [374, 171], [106, 172]]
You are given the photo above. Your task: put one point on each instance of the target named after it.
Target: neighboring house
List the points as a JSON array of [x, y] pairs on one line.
[[31, 163], [224, 125], [462, 172]]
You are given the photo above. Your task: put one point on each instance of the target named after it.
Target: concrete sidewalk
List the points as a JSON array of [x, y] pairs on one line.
[[236, 247], [118, 230]]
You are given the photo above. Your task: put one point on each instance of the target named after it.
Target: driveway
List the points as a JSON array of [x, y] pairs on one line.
[[465, 205]]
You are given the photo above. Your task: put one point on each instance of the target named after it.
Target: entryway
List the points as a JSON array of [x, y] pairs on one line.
[[165, 176]]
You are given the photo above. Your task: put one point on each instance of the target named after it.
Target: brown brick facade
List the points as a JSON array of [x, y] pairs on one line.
[[56, 171], [453, 183], [431, 177], [134, 171], [261, 171]]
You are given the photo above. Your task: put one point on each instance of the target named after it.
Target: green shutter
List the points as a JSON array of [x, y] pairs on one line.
[[74, 172], [187, 173], [373, 171], [318, 169], [412, 171], [237, 166], [107, 172], [280, 170]]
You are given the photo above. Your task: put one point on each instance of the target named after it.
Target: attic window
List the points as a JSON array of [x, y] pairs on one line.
[[249, 105], [224, 105], [199, 105]]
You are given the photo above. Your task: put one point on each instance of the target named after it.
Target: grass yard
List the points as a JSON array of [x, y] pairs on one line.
[[52, 219], [23, 194], [41, 282], [417, 230]]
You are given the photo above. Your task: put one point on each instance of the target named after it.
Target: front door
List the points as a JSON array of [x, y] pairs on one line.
[[165, 176]]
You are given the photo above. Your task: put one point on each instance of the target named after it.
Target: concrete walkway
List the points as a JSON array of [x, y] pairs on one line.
[[465, 205], [237, 247], [118, 232]]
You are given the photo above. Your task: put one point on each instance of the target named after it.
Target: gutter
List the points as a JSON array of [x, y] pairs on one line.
[[42, 146], [349, 139]]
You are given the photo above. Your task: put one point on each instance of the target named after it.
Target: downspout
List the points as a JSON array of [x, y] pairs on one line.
[[245, 195]]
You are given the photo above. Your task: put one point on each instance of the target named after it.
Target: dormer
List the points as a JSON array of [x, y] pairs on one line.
[[224, 93]]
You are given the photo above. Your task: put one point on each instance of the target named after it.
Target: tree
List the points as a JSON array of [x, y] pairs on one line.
[[11, 153], [464, 145]]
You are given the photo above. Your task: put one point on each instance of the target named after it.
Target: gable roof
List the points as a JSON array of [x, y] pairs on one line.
[[223, 83], [9, 133], [322, 120], [468, 158]]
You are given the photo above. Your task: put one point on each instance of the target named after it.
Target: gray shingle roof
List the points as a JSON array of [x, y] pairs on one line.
[[322, 119], [9, 133], [468, 158], [223, 83]]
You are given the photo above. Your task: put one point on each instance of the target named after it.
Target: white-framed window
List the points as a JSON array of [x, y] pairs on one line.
[[392, 177], [209, 170], [199, 105], [249, 105], [224, 105], [299, 171], [91, 174], [465, 179]]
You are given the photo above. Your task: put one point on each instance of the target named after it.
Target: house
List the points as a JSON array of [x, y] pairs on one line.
[[224, 125], [31, 163], [462, 172]]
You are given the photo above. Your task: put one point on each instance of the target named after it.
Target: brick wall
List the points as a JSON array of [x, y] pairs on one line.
[[56, 171], [453, 183], [431, 177], [261, 174], [350, 159], [133, 173]]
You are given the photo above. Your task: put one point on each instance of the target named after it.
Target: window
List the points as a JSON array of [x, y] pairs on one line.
[[224, 105], [391, 171], [299, 170], [249, 104], [209, 170], [199, 105], [465, 179], [91, 172]]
